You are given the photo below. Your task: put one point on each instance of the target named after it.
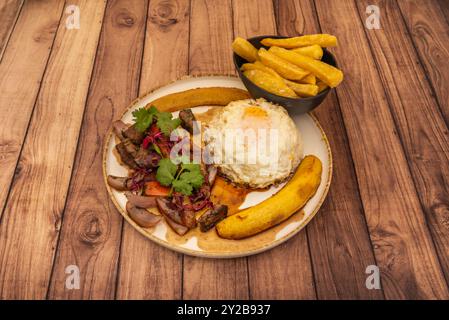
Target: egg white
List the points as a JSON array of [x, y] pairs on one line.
[[256, 160]]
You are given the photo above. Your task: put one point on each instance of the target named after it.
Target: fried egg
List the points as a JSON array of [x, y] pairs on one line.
[[254, 143]]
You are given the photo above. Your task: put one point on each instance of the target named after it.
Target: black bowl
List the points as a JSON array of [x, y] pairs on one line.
[[294, 105]]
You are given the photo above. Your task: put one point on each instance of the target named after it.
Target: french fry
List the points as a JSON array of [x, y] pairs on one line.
[[260, 66], [323, 40], [309, 79], [323, 71], [270, 83], [244, 49], [281, 66], [321, 86], [303, 90], [313, 51]]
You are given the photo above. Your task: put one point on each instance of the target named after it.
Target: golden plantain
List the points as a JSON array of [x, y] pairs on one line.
[[302, 186], [214, 96]]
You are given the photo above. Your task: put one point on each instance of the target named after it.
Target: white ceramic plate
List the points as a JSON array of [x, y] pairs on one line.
[[209, 244]]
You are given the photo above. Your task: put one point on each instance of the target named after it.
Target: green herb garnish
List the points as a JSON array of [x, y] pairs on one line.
[[185, 181], [143, 119]]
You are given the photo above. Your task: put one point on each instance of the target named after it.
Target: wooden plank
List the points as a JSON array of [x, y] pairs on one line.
[[428, 28], [210, 38], [211, 34], [92, 227], [9, 13], [402, 243], [270, 275], [420, 123], [31, 222], [444, 4], [338, 238], [21, 71], [147, 270]]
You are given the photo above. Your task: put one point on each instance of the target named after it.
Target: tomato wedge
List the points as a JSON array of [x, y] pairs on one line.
[[154, 188]]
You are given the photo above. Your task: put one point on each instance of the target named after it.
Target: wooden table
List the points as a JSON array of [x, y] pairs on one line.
[[61, 88]]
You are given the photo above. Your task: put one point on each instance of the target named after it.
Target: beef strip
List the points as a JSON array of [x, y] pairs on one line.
[[125, 155], [168, 209], [141, 216], [178, 228], [213, 216], [146, 158], [188, 120], [118, 183], [144, 202], [119, 127], [132, 134]]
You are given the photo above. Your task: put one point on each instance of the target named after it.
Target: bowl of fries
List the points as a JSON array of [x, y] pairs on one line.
[[296, 73]]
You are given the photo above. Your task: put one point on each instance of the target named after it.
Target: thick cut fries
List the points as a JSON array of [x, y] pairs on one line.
[[301, 187], [323, 71], [309, 79], [313, 51], [260, 66], [303, 90], [270, 83], [321, 86], [281, 66], [323, 40], [244, 49]]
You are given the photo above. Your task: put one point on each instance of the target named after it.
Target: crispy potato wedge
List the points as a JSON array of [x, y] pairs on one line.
[[281, 66], [303, 90], [313, 51], [323, 71], [260, 66], [309, 79], [323, 40], [214, 96], [270, 83], [321, 86], [295, 194], [245, 49]]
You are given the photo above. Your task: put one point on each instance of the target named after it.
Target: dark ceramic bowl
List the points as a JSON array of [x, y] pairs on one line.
[[293, 105]]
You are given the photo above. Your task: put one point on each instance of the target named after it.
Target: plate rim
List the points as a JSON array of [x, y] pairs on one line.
[[209, 254]]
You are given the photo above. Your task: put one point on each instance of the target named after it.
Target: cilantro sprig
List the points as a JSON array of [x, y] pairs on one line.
[[185, 180], [144, 117]]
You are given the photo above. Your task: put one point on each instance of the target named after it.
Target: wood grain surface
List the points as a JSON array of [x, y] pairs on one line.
[[149, 271], [270, 276], [387, 123], [206, 278], [23, 63], [420, 124], [9, 12], [339, 241], [28, 241], [91, 229], [402, 243]]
